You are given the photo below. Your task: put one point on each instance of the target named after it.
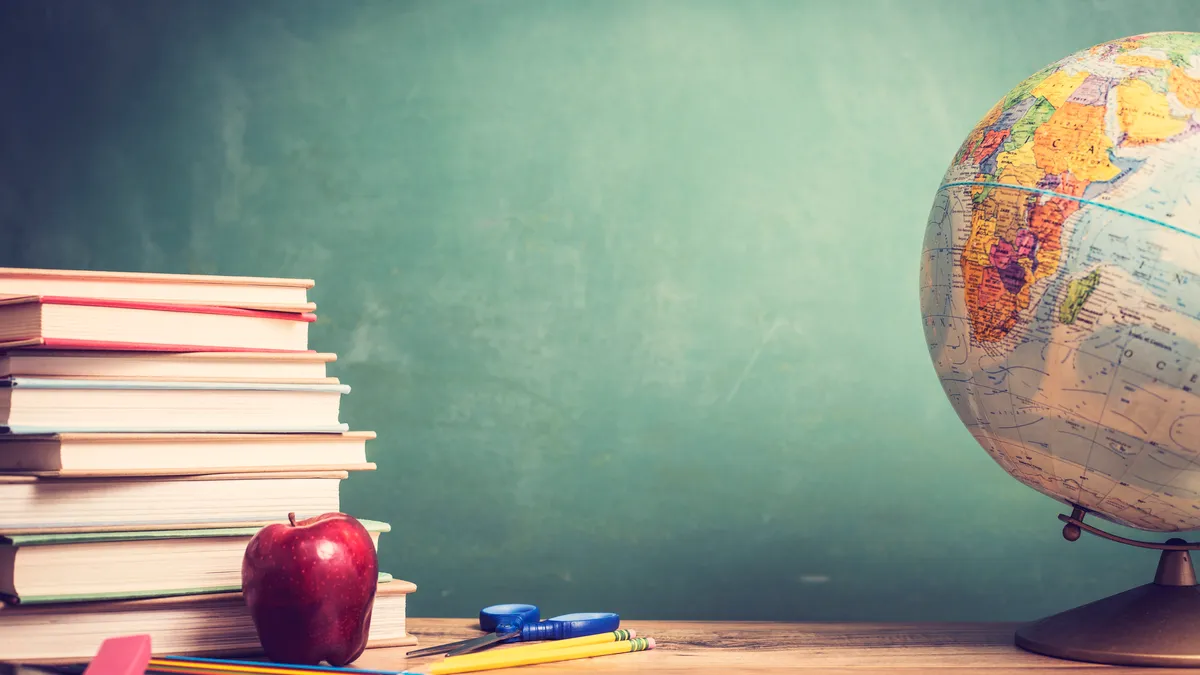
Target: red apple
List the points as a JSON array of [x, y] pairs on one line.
[[310, 586]]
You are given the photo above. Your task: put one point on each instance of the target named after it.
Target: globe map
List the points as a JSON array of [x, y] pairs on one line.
[[1060, 281]]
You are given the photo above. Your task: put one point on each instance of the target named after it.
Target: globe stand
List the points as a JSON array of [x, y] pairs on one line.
[[1155, 624]]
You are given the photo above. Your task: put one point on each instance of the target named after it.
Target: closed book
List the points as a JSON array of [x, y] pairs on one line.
[[41, 504], [290, 295], [42, 405], [97, 454], [40, 568], [83, 323], [189, 625], [244, 366]]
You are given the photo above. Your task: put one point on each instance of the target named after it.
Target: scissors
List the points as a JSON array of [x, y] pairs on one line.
[[520, 623]]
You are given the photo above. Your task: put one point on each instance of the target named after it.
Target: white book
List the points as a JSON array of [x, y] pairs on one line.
[[32, 503], [197, 289], [119, 365], [198, 625], [43, 405], [43, 568], [96, 454], [84, 323]]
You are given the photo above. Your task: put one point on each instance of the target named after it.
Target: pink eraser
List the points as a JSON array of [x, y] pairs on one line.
[[650, 643], [127, 655]]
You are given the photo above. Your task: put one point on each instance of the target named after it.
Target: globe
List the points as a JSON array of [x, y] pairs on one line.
[[1060, 281]]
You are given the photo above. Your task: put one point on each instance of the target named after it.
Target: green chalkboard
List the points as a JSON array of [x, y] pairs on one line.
[[628, 289]]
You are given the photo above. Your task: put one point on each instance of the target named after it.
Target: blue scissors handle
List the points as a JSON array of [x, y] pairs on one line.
[[499, 623], [507, 618], [522, 621], [571, 625]]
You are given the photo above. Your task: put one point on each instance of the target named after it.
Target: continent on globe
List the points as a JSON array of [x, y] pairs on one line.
[[1060, 281], [1073, 144], [1078, 291]]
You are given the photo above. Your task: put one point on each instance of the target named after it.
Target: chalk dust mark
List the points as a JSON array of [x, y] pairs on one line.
[[766, 339]]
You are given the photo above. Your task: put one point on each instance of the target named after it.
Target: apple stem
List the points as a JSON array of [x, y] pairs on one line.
[[292, 519]]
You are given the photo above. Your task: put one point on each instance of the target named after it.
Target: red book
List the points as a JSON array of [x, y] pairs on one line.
[[85, 323]]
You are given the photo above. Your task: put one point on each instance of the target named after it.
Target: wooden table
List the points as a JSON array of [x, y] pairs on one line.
[[702, 648]]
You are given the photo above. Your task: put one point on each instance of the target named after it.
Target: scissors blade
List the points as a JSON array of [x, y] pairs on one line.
[[481, 642], [438, 649]]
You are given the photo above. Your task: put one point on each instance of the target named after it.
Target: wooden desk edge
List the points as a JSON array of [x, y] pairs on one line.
[[743, 647]]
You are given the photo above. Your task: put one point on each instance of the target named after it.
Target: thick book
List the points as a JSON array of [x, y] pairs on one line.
[[216, 625], [42, 568], [61, 322], [44, 405], [288, 295], [98, 454], [42, 504], [243, 366]]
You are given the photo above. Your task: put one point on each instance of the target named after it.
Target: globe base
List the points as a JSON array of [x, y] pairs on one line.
[[1156, 624]]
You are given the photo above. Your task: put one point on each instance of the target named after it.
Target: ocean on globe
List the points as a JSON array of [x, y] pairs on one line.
[[1060, 281]]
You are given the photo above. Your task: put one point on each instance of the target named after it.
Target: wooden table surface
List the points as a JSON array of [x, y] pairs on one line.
[[733, 648]]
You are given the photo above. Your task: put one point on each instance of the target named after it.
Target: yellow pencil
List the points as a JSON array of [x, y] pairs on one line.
[[601, 638], [507, 658]]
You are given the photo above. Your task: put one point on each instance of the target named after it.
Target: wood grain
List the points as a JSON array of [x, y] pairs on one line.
[[697, 648]]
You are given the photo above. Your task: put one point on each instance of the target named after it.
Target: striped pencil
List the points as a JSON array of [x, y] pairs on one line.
[[601, 638], [524, 656]]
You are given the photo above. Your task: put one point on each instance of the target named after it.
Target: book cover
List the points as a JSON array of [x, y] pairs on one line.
[[388, 585], [193, 385], [60, 322], [188, 437], [35, 430], [61, 538], [214, 624], [120, 453], [279, 294], [307, 317], [126, 346], [45, 274], [147, 503], [140, 364], [384, 578], [150, 423]]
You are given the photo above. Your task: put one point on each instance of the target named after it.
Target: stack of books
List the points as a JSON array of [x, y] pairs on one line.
[[150, 425]]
